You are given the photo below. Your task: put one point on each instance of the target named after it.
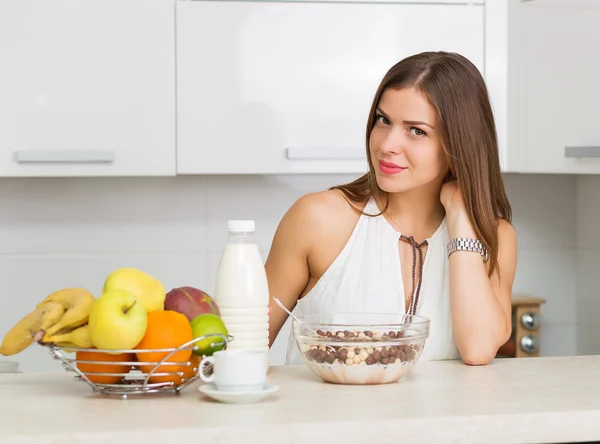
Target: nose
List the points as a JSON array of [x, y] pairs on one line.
[[393, 142]]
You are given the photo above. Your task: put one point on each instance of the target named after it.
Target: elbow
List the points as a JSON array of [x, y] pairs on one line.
[[482, 353], [481, 348], [476, 357]]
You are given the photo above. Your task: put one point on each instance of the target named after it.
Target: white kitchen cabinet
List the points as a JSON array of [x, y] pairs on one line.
[[87, 88], [283, 87], [557, 97], [443, 2]]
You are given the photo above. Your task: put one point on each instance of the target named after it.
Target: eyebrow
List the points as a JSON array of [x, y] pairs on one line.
[[416, 122], [406, 122]]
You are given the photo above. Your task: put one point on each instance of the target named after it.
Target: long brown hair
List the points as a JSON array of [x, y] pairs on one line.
[[456, 89]]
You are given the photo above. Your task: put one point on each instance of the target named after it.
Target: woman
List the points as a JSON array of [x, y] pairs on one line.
[[426, 231]]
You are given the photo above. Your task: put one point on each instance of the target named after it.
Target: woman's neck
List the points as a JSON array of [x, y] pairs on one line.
[[416, 213]]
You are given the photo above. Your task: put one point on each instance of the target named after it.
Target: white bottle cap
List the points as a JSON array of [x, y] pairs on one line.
[[240, 226]]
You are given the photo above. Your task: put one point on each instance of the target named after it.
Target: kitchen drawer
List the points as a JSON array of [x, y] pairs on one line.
[[87, 88], [282, 87]]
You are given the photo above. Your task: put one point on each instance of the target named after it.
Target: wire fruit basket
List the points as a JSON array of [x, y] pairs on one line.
[[134, 381]]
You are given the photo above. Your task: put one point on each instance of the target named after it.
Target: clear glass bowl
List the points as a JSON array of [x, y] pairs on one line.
[[361, 348]]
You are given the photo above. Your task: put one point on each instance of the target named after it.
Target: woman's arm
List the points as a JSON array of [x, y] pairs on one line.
[[308, 239], [480, 305], [287, 264]]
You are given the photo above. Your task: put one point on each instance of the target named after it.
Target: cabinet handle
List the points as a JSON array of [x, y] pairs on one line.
[[326, 154], [582, 151], [65, 156]]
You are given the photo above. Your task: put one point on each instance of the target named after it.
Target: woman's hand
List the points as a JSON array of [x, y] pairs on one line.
[[450, 196], [459, 224]]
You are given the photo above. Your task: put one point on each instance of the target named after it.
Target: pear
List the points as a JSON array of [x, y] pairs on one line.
[[147, 289]]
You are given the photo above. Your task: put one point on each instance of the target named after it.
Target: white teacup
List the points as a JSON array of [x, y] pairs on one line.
[[236, 370]]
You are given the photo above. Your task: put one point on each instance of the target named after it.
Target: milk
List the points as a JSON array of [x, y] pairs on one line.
[[241, 290], [241, 280]]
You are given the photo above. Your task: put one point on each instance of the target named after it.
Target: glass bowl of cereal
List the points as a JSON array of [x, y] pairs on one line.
[[361, 348]]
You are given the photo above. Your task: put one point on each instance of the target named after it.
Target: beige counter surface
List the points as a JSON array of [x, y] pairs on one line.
[[526, 400]]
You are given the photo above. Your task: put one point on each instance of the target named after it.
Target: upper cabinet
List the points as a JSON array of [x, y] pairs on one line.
[[164, 87], [283, 87], [557, 87], [286, 87], [87, 88]]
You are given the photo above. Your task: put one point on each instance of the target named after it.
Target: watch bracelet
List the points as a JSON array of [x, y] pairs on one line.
[[467, 244]]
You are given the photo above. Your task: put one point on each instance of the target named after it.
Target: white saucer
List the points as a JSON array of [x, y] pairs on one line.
[[238, 397]]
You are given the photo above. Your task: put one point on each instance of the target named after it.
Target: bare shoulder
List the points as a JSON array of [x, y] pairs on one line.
[[324, 222], [325, 208], [315, 217]]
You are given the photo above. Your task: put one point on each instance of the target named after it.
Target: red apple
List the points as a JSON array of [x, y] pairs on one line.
[[191, 302]]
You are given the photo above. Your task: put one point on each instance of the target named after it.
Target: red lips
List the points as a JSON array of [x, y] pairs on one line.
[[390, 168]]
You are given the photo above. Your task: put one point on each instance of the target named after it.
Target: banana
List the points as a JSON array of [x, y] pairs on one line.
[[25, 332], [77, 303], [77, 338], [64, 310]]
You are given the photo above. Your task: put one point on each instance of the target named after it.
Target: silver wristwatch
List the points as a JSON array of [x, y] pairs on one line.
[[466, 244]]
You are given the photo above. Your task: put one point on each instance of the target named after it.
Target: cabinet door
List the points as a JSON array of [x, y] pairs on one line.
[[559, 93], [276, 87], [446, 2], [87, 88]]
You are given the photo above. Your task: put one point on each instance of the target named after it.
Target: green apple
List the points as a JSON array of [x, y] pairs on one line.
[[149, 290], [206, 324], [117, 321]]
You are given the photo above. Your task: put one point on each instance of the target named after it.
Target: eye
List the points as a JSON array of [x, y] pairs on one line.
[[417, 131], [381, 119]]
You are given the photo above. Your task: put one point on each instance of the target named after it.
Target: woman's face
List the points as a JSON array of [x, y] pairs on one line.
[[406, 152]]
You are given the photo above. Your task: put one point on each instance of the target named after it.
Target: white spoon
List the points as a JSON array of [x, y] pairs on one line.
[[278, 302]]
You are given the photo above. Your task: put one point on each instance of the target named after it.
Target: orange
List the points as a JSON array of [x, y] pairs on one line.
[[166, 329], [188, 372], [86, 367]]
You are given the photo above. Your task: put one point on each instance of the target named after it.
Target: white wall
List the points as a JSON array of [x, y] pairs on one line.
[[588, 265], [545, 215], [72, 232]]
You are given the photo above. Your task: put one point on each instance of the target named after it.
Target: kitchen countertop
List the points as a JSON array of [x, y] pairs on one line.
[[514, 400]]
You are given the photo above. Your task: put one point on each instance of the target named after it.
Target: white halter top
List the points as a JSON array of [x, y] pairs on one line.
[[366, 277]]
